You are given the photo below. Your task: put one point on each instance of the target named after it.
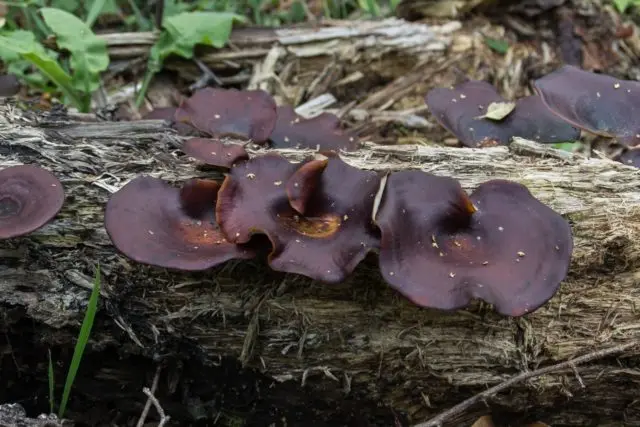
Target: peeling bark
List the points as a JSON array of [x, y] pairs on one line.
[[253, 344]]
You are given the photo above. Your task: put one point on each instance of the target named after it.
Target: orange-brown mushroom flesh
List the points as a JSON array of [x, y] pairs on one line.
[[328, 241], [154, 223], [441, 248]]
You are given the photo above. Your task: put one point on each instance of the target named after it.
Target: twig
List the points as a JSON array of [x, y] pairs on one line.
[[151, 398], [163, 418], [466, 404]]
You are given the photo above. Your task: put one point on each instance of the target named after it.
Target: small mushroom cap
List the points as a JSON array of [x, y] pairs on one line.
[[321, 132], [630, 157], [30, 197], [328, 241], [249, 114], [9, 85], [303, 184], [168, 114], [459, 110], [214, 152], [597, 103], [154, 223], [441, 248]]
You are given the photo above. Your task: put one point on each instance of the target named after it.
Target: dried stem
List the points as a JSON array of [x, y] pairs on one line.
[[460, 408]]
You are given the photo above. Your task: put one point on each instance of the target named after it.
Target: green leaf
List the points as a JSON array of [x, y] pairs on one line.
[[35, 53], [97, 8], [83, 338], [21, 36], [565, 146], [189, 29], [68, 5], [182, 32], [622, 5], [89, 54], [500, 46]]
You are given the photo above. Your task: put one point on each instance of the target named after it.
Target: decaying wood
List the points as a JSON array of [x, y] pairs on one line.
[[354, 353], [370, 38], [14, 415]]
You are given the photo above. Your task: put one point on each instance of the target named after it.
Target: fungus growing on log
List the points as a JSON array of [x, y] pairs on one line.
[[154, 223], [30, 197], [168, 114], [321, 132], [215, 152], [248, 114], [630, 156], [9, 85], [326, 242], [597, 103], [463, 110], [441, 248]]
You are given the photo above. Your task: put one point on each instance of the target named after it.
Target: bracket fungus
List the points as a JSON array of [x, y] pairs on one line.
[[154, 223], [326, 242], [597, 103], [321, 132], [30, 197], [9, 85], [441, 248], [462, 110], [249, 114], [215, 152], [168, 114], [630, 156]]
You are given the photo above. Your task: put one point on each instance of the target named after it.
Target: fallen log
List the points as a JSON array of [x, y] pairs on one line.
[[243, 343]]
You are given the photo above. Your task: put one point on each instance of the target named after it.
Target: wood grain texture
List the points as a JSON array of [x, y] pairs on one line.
[[343, 347]]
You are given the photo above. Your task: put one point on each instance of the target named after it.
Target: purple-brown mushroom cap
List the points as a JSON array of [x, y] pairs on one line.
[[248, 114], [168, 114], [460, 111], [321, 132], [30, 197], [597, 103], [154, 223], [328, 241], [630, 157], [9, 85], [215, 152], [442, 248], [303, 183]]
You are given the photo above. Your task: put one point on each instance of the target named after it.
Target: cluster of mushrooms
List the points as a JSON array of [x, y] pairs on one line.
[[567, 101], [437, 245], [320, 217]]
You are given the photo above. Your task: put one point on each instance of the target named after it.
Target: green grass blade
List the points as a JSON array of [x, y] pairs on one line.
[[51, 385], [83, 338], [94, 12]]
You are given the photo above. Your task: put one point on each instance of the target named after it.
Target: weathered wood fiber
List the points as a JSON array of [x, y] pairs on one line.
[[355, 351]]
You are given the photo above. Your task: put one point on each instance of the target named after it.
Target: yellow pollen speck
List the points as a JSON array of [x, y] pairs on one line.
[[345, 217], [617, 85], [521, 254], [277, 183]]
